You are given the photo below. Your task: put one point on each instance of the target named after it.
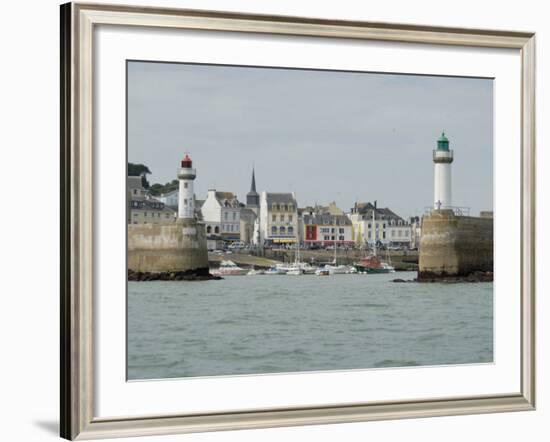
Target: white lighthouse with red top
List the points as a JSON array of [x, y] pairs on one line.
[[186, 201]]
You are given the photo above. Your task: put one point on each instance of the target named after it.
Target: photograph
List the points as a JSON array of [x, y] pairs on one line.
[[284, 220]]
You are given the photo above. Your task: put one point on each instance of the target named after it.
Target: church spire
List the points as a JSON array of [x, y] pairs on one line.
[[252, 197], [253, 184]]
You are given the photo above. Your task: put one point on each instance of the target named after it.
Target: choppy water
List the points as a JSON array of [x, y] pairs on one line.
[[268, 324]]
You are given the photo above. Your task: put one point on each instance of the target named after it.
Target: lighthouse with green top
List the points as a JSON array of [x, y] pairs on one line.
[[442, 158]]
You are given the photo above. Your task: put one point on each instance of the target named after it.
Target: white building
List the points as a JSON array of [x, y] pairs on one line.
[[327, 230], [442, 158], [221, 215], [278, 218], [170, 199], [381, 226]]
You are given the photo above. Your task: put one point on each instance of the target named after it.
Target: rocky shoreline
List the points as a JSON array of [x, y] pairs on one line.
[[188, 275], [451, 279]]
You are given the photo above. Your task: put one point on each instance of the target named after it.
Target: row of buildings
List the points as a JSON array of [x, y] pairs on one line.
[[271, 219]]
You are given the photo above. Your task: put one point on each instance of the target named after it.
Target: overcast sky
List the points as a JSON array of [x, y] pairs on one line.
[[328, 136]]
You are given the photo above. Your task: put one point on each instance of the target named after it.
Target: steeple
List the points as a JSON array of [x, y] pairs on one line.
[[253, 184], [253, 197]]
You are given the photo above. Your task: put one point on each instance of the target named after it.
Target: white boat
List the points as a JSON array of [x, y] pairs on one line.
[[339, 270], [295, 271], [275, 271], [229, 268], [254, 272], [322, 271], [297, 268]]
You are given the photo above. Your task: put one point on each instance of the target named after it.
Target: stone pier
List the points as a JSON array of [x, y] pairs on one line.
[[454, 246], [174, 247]]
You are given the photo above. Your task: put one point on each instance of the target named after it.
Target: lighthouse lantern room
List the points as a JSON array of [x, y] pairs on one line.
[[186, 177]]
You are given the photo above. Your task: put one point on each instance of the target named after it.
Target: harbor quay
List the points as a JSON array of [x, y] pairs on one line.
[[176, 233]]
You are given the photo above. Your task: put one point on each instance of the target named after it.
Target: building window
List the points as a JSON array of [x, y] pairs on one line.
[[145, 214], [282, 218], [275, 207], [217, 229], [289, 218], [290, 207], [273, 230], [282, 230], [135, 191], [234, 216], [383, 235], [406, 233], [225, 216], [332, 238], [332, 230], [369, 226], [340, 230], [273, 218], [327, 237], [291, 230], [341, 238], [185, 185]]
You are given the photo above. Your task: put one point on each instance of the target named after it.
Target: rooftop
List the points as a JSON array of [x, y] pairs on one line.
[[280, 198], [327, 219]]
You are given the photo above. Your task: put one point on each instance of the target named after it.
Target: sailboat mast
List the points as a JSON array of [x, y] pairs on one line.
[[374, 227]]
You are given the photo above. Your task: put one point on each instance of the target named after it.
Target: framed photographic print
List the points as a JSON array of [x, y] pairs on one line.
[[272, 221]]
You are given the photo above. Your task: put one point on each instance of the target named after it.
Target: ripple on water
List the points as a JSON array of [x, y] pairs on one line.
[[286, 324]]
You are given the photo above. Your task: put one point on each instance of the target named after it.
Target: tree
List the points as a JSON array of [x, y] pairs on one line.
[[139, 170]]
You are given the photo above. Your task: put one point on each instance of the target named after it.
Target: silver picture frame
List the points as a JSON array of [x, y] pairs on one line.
[[78, 21]]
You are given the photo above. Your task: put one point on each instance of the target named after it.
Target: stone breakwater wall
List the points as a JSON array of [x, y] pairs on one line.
[[454, 246], [166, 248]]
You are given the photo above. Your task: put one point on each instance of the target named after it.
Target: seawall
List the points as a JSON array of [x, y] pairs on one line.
[[174, 247], [454, 245]]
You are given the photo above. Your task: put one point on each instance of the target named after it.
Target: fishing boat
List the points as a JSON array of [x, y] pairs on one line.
[[229, 268], [372, 264]]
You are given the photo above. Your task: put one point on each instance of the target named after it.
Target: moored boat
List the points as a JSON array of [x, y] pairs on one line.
[[322, 271], [372, 264], [229, 268], [275, 271]]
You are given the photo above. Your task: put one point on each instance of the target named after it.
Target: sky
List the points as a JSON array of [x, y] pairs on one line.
[[326, 135]]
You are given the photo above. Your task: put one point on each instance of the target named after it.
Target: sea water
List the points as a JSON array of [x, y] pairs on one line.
[[282, 323]]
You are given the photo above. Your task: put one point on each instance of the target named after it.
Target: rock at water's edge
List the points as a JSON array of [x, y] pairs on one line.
[[202, 274]]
